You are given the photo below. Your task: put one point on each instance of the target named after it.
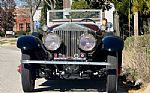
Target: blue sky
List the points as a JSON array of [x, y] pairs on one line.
[[19, 2]]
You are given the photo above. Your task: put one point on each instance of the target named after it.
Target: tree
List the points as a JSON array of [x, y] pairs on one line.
[[137, 6], [123, 7], [147, 7], [54, 4], [44, 14], [48, 5], [1, 18], [8, 14], [82, 4], [133, 8], [59, 4], [33, 6]]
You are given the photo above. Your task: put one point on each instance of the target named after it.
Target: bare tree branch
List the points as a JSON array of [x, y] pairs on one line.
[[52, 3], [7, 15], [36, 7], [33, 6], [47, 2]]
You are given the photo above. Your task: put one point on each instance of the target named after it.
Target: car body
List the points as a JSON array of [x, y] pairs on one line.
[[75, 48]]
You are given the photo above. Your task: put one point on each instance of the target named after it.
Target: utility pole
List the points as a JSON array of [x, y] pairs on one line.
[[103, 13], [66, 4], [136, 30], [66, 7]]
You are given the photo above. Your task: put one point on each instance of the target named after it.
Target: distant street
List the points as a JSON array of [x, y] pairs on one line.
[[10, 79]]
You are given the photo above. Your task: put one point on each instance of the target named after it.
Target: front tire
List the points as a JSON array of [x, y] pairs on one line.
[[112, 78], [27, 75]]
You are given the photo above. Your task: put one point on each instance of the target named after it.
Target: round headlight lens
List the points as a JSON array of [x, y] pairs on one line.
[[52, 41], [87, 42]]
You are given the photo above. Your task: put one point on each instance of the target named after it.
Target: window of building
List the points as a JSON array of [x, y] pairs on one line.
[[21, 26], [27, 27]]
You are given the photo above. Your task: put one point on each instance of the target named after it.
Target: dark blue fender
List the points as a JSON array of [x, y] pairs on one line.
[[28, 42], [112, 43]]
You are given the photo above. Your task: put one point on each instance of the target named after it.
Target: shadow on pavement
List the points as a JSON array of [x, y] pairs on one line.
[[73, 85], [76, 86]]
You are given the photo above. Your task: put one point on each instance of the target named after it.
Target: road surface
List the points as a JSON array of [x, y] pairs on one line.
[[10, 79]]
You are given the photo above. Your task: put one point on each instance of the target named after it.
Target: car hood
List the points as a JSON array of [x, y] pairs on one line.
[[71, 27]]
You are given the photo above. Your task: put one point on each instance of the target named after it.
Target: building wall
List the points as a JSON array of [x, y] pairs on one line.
[[24, 21], [22, 17]]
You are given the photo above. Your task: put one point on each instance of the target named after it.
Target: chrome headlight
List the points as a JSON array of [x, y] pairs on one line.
[[87, 42], [52, 41]]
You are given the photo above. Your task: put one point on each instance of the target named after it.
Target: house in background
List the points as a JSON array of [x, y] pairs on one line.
[[22, 20]]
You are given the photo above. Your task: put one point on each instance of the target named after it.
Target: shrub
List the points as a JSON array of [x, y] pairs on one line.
[[2, 34], [136, 59], [19, 33]]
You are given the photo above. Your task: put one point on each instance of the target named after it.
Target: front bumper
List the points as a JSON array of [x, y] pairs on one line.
[[64, 62]]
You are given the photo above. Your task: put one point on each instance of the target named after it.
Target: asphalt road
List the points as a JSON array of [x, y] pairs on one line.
[[10, 79]]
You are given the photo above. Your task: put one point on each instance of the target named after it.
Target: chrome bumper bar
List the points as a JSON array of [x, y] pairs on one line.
[[64, 62]]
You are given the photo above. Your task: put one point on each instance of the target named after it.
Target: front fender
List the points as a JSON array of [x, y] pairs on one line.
[[112, 43], [27, 42]]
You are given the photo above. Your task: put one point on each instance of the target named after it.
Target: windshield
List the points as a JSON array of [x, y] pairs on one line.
[[74, 14]]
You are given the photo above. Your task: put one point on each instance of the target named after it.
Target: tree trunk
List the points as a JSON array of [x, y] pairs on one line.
[[51, 5], [31, 20], [31, 23], [33, 7]]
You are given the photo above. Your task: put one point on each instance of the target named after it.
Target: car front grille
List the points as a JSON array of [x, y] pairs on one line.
[[70, 41]]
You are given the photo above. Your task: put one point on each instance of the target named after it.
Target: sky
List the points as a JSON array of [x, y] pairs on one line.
[[19, 2]]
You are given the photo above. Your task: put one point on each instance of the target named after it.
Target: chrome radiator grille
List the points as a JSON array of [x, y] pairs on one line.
[[70, 40]]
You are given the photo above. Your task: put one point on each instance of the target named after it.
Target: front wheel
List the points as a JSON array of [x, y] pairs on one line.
[[112, 77], [27, 75]]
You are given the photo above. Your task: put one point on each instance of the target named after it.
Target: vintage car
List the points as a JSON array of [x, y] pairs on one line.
[[71, 48]]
